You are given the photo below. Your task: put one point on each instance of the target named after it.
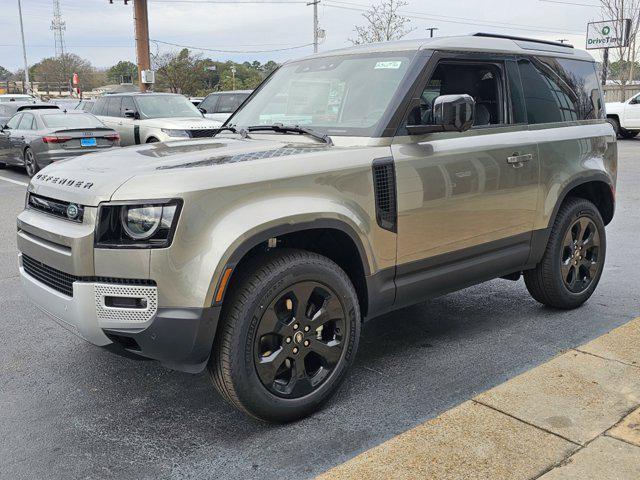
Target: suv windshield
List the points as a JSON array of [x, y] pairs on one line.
[[342, 95], [163, 106]]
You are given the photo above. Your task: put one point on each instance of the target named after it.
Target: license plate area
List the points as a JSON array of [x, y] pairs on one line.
[[88, 142]]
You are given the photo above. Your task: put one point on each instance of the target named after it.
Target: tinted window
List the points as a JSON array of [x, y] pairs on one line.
[[98, 109], [165, 106], [71, 120], [560, 90], [113, 107], [209, 103], [13, 121], [579, 81], [127, 104], [26, 122]]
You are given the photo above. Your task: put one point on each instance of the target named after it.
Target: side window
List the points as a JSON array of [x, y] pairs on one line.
[[99, 108], [14, 121], [127, 104], [555, 93], [579, 82], [483, 81], [518, 109], [26, 122], [209, 103], [113, 107], [226, 104]]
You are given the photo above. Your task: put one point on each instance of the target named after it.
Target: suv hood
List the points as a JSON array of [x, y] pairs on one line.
[[186, 123], [94, 178]]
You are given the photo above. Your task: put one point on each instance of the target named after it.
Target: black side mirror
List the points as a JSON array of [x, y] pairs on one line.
[[130, 114], [202, 110], [451, 113]]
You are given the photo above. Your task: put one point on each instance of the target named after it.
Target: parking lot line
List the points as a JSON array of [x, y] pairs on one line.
[[10, 180]]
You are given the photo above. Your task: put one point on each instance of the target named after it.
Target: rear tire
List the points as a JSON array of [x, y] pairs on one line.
[[30, 162], [152, 140], [574, 258], [289, 332], [615, 124]]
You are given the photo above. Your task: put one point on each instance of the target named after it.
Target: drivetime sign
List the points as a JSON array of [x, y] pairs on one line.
[[608, 34]]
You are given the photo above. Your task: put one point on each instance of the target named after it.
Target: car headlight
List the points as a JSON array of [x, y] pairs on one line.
[[149, 225], [175, 133]]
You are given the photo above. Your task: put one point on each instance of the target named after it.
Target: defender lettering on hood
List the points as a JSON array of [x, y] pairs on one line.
[[69, 182]]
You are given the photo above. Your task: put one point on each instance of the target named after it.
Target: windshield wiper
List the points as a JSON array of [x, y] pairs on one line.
[[280, 128], [231, 128]]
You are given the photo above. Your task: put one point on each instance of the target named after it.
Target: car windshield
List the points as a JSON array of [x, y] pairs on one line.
[[164, 106], [342, 95], [71, 120]]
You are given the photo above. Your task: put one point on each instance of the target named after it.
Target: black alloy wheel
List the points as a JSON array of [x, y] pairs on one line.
[[580, 255], [299, 339]]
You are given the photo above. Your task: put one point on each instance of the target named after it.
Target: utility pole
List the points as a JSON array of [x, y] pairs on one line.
[[27, 85], [143, 56], [431, 30], [315, 24]]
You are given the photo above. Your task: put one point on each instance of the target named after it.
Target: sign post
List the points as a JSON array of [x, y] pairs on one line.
[[605, 35]]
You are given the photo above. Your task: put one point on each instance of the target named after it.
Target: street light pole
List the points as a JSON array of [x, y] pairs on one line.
[[27, 85]]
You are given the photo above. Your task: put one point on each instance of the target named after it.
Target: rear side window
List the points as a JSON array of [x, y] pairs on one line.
[[559, 90], [581, 79]]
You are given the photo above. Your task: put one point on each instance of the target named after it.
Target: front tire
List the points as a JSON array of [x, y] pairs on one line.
[[30, 162], [615, 124], [289, 332], [574, 258]]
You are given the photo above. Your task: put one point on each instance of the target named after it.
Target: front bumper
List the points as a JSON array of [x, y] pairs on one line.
[[180, 338]]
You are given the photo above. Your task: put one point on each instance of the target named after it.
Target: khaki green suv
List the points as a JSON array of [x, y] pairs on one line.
[[350, 184]]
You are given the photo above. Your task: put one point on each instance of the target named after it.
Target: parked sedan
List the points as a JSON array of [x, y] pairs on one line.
[[9, 109], [36, 138]]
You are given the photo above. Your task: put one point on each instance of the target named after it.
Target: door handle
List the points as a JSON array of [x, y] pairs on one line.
[[517, 161]]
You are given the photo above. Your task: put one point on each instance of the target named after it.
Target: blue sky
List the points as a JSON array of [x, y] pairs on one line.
[[103, 33]]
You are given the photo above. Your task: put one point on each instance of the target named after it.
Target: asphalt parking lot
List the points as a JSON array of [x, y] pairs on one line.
[[71, 410]]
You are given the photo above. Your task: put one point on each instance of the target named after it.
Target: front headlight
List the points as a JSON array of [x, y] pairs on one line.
[[149, 225], [175, 133]]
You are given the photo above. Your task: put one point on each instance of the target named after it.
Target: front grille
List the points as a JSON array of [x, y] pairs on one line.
[[57, 208], [63, 282], [59, 281], [203, 133]]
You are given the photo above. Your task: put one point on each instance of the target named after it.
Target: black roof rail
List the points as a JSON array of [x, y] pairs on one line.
[[522, 39]]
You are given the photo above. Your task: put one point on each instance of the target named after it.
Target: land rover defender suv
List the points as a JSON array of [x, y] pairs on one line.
[[351, 183]]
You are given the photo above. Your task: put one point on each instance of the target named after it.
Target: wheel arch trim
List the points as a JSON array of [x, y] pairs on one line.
[[237, 251]]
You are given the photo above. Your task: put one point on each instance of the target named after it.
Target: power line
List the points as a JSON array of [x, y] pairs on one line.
[[236, 2], [358, 7], [206, 49], [571, 3]]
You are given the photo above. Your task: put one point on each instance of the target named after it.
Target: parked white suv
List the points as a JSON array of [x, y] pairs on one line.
[[625, 116], [153, 117]]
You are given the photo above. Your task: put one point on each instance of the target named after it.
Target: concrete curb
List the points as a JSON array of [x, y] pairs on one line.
[[575, 416]]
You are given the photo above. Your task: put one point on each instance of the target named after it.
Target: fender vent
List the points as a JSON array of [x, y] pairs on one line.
[[384, 185]]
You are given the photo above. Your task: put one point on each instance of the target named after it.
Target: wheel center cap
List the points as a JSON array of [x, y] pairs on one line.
[[298, 337]]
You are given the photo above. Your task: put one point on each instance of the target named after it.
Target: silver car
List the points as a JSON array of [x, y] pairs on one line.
[[36, 138]]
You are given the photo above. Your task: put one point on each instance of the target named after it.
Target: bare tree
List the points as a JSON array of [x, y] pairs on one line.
[[384, 22], [619, 10]]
